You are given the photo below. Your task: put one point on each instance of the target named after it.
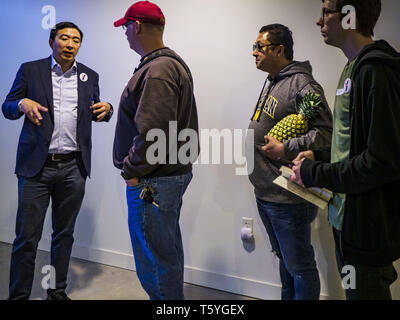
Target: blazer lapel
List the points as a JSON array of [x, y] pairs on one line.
[[81, 91], [45, 76]]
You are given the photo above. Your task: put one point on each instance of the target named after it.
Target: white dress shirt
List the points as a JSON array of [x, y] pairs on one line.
[[65, 102]]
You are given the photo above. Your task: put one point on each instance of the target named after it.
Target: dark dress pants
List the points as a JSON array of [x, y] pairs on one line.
[[64, 183], [371, 283]]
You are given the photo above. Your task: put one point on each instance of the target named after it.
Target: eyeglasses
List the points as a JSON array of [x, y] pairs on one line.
[[324, 12], [258, 46], [125, 26]]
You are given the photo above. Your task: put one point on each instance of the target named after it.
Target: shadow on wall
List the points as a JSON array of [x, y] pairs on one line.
[[323, 242], [215, 257], [78, 278], [81, 277], [395, 288]]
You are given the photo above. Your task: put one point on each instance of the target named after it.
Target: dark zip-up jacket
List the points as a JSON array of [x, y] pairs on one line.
[[371, 175], [158, 96]]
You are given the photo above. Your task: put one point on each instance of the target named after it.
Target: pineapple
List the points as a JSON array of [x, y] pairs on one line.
[[296, 125]]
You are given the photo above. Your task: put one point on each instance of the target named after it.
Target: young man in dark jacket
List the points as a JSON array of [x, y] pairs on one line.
[[365, 170], [158, 101]]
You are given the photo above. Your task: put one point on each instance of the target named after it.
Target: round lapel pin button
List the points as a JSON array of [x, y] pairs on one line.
[[84, 77]]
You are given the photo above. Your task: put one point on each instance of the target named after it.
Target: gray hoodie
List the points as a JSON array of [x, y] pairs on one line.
[[278, 101]]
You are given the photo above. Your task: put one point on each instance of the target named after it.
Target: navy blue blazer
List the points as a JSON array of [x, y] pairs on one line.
[[34, 81]]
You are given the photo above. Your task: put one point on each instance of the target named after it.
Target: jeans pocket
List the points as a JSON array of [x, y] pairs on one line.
[[138, 186], [168, 193], [134, 192]]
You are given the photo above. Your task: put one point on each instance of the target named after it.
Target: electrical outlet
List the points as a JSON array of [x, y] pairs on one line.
[[247, 223]]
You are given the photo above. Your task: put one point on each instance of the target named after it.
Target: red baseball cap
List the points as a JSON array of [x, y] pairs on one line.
[[143, 11]]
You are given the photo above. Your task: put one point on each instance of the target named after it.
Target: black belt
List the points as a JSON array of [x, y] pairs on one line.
[[54, 157]]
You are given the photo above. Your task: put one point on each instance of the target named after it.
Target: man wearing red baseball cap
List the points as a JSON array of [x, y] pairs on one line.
[[143, 11], [159, 97]]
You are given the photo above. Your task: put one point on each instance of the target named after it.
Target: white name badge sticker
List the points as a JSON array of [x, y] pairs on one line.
[[347, 85], [346, 89]]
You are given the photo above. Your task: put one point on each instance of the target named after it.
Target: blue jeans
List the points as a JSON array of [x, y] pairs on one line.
[[156, 236], [289, 230]]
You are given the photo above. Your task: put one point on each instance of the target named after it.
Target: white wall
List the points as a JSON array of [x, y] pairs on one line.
[[215, 39]]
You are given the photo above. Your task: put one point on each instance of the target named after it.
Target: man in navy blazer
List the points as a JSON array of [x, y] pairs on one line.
[[59, 98]]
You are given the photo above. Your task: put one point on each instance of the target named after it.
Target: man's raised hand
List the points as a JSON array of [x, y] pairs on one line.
[[32, 110]]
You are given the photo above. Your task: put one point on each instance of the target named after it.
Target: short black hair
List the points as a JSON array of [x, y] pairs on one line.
[[280, 34], [62, 25], [367, 12]]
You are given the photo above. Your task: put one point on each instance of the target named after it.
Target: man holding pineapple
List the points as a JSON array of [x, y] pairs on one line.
[[291, 90], [364, 170]]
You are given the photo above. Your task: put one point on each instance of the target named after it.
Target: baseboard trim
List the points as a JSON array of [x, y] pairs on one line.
[[193, 275], [233, 284]]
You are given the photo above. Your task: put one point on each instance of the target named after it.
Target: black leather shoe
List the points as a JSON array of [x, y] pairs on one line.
[[57, 294]]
